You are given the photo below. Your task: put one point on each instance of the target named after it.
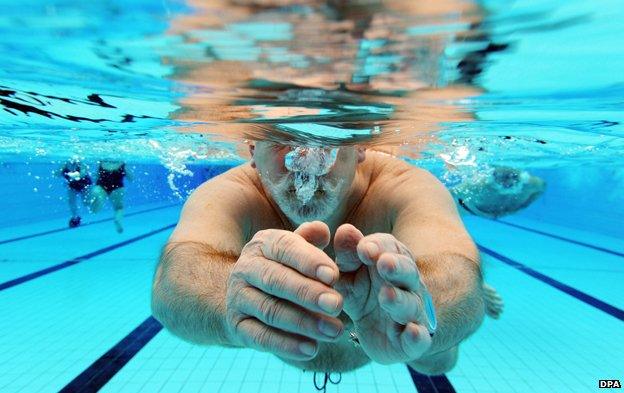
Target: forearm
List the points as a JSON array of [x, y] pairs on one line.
[[188, 294], [455, 283]]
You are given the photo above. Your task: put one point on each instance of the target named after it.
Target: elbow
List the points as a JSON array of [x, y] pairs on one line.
[[165, 310], [164, 292], [159, 302]]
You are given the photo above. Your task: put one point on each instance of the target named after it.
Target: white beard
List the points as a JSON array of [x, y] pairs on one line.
[[319, 206]]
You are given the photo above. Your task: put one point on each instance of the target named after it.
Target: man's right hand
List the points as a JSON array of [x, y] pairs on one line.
[[279, 295]]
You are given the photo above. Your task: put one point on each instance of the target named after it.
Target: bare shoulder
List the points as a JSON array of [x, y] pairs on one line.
[[219, 212], [236, 183], [401, 183], [418, 209]]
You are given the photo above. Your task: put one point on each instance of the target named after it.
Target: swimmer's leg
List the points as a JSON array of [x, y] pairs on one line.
[[74, 221], [116, 198], [72, 201], [95, 199], [493, 301]]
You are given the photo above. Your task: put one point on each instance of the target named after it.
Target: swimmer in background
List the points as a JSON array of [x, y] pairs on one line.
[[110, 185], [502, 192], [78, 183]]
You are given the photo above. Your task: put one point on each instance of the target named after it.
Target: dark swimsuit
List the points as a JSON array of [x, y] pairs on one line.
[[78, 185], [111, 180]]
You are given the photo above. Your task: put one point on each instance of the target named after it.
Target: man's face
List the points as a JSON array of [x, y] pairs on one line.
[[325, 189]]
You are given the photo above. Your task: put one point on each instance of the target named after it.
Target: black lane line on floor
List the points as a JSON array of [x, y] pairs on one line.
[[430, 384], [83, 225], [94, 377], [82, 258], [582, 296], [565, 239]]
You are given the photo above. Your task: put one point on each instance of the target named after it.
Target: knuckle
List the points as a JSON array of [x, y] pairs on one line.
[[237, 274], [263, 234], [286, 347], [252, 245], [390, 242], [407, 252], [281, 244], [234, 296], [259, 239], [235, 329], [262, 338], [404, 264], [303, 293], [273, 281], [269, 309], [301, 323], [242, 293], [232, 319]]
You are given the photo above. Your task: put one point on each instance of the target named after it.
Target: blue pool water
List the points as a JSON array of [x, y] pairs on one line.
[[176, 89]]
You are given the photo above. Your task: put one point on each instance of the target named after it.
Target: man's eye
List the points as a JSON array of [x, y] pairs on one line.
[[279, 148]]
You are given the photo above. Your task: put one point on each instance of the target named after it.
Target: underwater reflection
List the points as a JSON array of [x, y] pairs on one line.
[[333, 72]]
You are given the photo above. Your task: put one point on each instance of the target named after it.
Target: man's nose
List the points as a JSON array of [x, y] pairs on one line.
[[313, 160]]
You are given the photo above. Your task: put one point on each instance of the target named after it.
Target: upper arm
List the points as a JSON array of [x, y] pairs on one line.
[[216, 215], [425, 216]]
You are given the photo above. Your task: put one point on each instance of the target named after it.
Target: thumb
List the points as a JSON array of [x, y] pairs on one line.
[[315, 233], [345, 246]]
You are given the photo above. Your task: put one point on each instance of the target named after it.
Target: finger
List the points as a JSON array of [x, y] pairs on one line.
[[257, 335], [372, 246], [497, 302], [287, 316], [293, 251], [283, 282], [415, 340], [346, 240], [399, 270], [402, 306], [315, 232]]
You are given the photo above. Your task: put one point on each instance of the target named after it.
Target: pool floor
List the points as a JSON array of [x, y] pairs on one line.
[[76, 316]]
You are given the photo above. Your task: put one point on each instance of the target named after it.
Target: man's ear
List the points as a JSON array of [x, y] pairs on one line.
[[251, 152], [361, 154]]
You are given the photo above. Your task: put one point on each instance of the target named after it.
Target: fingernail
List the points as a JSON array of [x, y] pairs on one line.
[[393, 294], [328, 328], [307, 348], [328, 302], [325, 274], [372, 249], [391, 266]]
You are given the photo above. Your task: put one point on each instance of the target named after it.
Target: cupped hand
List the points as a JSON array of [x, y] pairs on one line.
[[384, 296], [279, 296]]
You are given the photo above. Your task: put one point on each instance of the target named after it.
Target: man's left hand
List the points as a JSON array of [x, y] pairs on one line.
[[383, 295]]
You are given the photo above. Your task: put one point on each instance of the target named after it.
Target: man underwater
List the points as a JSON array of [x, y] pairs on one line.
[[328, 258]]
